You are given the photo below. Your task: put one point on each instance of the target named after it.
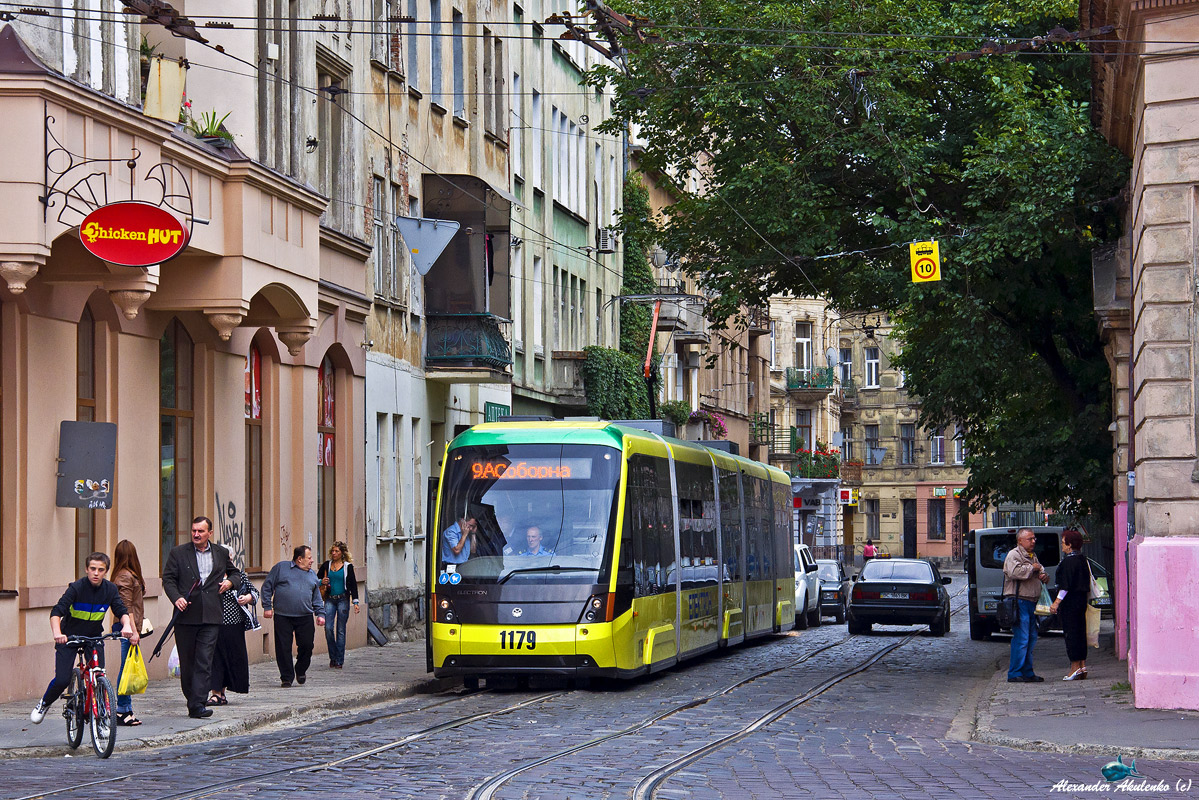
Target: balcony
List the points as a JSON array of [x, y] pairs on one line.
[[810, 384], [851, 472], [758, 321], [467, 348], [849, 398], [680, 311], [760, 432], [567, 385]]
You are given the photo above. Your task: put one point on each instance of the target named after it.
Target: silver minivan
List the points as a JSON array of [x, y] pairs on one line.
[[986, 548]]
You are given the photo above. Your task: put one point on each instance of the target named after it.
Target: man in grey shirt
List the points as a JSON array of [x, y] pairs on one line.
[[292, 589]]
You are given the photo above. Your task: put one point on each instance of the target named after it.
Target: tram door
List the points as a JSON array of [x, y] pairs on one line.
[[649, 523]]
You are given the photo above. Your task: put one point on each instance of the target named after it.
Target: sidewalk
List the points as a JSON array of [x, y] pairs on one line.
[[371, 675], [1095, 716]]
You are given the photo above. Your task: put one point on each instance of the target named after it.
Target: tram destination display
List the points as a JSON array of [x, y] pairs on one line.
[[532, 469]]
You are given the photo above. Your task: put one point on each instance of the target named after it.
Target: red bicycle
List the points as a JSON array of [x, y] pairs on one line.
[[90, 697]]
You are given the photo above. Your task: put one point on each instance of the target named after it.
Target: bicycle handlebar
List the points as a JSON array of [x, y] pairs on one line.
[[80, 640]]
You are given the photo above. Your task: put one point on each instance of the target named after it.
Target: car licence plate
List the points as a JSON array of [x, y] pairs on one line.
[[893, 595]]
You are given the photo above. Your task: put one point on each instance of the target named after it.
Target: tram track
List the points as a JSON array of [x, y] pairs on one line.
[[487, 789], [645, 788], [458, 696], [648, 786]]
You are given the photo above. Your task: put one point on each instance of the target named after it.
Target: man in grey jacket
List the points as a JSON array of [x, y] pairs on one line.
[[293, 591], [1022, 577]]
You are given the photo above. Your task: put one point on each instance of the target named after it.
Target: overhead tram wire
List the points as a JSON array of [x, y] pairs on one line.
[[565, 248]]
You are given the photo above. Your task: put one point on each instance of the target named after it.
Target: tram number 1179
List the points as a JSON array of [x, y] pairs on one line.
[[515, 640]]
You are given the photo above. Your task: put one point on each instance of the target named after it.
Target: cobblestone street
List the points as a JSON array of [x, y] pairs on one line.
[[889, 731]]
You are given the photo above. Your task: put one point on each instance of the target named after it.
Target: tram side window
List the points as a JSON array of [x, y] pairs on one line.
[[766, 527], [697, 524], [649, 524], [753, 533], [731, 539]]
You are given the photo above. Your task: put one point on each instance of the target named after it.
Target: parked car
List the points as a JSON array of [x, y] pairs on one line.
[[834, 588], [986, 548], [899, 591], [807, 588]]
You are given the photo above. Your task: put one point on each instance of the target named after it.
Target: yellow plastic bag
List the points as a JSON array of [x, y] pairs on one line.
[[1092, 626], [134, 678]]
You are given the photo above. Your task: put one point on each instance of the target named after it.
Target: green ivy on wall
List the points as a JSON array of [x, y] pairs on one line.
[[613, 380]]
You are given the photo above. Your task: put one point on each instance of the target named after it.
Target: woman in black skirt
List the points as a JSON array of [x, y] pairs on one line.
[[231, 662], [1073, 585]]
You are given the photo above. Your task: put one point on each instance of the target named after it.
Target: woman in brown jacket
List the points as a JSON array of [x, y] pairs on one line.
[[127, 575]]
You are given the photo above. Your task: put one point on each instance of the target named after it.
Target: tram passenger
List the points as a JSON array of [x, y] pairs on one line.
[[457, 539], [533, 541]]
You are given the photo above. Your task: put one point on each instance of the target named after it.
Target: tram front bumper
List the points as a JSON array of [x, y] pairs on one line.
[[569, 650]]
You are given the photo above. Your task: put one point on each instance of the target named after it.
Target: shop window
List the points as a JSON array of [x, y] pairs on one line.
[[253, 519], [176, 420], [326, 466], [936, 520], [85, 411]]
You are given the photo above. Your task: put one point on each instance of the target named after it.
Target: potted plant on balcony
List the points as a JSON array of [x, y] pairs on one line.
[[823, 462], [210, 128], [713, 422], [676, 411]]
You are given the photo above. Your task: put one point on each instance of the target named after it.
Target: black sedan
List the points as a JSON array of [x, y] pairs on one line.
[[899, 591], [834, 588]]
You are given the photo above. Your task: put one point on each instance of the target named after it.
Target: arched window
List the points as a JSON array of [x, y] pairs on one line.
[[253, 519], [326, 432], [176, 425], [85, 411]]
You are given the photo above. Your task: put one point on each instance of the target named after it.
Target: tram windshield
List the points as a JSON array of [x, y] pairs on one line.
[[529, 513]]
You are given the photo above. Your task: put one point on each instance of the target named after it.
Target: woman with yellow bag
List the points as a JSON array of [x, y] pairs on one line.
[[127, 575]]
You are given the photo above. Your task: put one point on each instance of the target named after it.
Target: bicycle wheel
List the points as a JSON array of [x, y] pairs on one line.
[[73, 709], [104, 718]]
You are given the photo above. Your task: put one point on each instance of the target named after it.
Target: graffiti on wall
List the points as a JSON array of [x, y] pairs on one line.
[[233, 533]]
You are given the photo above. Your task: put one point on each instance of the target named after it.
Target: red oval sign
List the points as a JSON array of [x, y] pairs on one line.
[[133, 234]]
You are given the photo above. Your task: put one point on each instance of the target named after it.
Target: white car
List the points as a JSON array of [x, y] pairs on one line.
[[807, 588]]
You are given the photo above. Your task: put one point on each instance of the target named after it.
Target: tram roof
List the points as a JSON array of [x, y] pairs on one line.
[[600, 432]]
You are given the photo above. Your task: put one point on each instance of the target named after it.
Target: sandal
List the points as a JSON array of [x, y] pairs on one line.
[[127, 719], [216, 700]]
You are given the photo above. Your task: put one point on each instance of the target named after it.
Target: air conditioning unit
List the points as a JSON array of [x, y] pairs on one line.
[[606, 240]]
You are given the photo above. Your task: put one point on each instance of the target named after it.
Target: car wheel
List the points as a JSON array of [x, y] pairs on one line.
[[801, 617], [939, 627], [841, 614], [981, 629]]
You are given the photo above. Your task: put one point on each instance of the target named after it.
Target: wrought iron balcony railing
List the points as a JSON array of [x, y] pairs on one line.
[[821, 378], [466, 341], [759, 429]]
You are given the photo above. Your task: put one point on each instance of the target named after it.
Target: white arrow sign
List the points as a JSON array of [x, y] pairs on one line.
[[426, 239]]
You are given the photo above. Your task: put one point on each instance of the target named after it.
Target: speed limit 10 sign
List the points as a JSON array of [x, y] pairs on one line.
[[926, 261]]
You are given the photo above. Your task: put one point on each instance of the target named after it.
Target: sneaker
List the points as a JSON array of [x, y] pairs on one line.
[[38, 713]]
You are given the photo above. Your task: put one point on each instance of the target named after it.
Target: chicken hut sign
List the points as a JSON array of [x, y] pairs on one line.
[[133, 234]]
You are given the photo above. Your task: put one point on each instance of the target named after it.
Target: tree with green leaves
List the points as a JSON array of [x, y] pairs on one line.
[[832, 134]]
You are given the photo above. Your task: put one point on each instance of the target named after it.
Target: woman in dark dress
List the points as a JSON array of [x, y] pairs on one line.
[[231, 662], [1070, 605]]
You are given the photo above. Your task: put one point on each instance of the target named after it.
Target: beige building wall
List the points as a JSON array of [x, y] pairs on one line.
[[260, 268], [1146, 104]]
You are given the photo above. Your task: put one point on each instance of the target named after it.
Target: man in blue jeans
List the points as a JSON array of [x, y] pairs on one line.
[[1022, 577]]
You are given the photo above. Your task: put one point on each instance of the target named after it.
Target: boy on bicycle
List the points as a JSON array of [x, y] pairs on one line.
[[80, 612]]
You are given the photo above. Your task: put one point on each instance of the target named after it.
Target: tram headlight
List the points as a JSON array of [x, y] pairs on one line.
[[445, 610], [594, 610]]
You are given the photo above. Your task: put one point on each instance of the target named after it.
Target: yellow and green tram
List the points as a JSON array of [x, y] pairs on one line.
[[588, 549]]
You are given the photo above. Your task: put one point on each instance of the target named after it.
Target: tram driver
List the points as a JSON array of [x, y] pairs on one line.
[[533, 542], [457, 539]]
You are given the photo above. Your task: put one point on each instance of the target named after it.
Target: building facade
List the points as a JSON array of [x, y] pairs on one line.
[[1145, 101], [234, 373], [911, 478]]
